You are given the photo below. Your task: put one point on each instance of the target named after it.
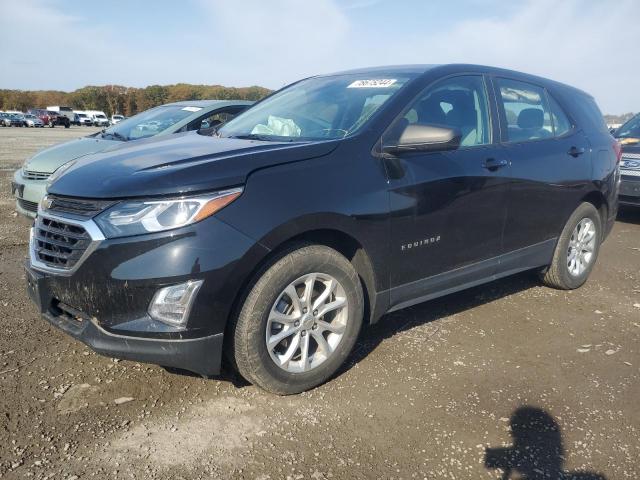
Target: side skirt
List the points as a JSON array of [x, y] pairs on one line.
[[534, 256]]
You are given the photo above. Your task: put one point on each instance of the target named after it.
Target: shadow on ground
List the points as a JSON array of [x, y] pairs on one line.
[[537, 452], [431, 311], [398, 322], [629, 215]]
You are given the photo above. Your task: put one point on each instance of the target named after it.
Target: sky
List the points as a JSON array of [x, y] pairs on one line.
[[67, 44]]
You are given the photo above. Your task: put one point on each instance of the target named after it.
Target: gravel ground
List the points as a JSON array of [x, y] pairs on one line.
[[509, 374]]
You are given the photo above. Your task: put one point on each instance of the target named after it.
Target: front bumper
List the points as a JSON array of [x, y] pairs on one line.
[[201, 355], [27, 193], [103, 301], [629, 190]]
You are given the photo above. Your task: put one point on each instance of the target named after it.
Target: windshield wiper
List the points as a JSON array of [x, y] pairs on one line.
[[261, 137], [117, 135]]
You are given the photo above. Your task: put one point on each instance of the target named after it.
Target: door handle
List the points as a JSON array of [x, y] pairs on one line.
[[492, 164], [576, 151]]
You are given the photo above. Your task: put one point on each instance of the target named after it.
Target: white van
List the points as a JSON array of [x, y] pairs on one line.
[[98, 118]]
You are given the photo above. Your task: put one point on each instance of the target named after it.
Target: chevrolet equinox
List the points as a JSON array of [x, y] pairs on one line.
[[270, 242]]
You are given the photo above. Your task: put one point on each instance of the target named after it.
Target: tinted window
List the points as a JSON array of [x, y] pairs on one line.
[[526, 110], [561, 122], [458, 102]]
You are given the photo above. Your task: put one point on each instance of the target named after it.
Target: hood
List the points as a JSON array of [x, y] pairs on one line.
[[178, 164], [52, 158]]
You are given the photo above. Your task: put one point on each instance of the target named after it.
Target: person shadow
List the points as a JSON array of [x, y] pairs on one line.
[[537, 452]]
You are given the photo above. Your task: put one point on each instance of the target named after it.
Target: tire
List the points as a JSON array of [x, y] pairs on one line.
[[66, 125], [255, 321], [563, 274]]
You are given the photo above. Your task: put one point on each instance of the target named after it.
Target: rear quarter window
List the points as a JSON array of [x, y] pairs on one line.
[[589, 115]]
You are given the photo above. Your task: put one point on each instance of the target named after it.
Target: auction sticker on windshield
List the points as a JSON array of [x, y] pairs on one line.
[[373, 83], [192, 109]]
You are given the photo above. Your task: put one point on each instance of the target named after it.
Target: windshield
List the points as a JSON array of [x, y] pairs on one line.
[[631, 129], [150, 122], [316, 109]]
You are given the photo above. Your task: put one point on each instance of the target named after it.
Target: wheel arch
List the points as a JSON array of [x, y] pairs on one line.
[[340, 241], [599, 201]]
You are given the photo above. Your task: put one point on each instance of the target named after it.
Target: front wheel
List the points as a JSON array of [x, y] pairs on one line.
[[576, 251], [299, 320]]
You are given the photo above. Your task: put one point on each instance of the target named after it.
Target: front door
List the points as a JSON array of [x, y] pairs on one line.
[[448, 207]]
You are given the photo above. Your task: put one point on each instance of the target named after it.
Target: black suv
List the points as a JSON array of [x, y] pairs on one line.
[[324, 206], [629, 136]]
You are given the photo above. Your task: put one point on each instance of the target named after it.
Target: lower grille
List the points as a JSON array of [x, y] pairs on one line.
[[58, 244], [33, 175], [27, 205]]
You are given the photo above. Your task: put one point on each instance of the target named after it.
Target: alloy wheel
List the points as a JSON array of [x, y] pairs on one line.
[[582, 246], [307, 322]]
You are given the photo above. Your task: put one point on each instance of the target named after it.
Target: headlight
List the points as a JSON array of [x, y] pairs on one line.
[[136, 217]]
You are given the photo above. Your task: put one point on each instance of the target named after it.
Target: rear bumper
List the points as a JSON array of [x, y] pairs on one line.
[[201, 355]]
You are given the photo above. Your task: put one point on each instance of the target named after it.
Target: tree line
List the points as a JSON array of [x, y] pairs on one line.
[[126, 101]]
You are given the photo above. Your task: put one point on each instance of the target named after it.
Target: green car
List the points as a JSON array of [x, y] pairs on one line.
[[30, 182]]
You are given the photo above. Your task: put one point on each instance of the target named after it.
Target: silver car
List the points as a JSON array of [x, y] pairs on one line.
[[30, 182], [32, 121]]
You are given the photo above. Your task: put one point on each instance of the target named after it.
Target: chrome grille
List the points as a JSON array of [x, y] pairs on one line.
[[33, 175], [58, 244], [75, 206]]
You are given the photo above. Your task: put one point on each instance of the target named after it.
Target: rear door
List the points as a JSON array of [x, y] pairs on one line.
[[550, 167], [448, 207]]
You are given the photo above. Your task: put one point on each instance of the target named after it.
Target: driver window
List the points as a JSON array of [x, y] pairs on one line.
[[459, 102]]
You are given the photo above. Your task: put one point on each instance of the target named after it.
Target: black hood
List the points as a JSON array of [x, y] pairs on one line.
[[178, 164]]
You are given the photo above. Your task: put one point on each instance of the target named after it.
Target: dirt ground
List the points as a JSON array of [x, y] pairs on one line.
[[509, 374]]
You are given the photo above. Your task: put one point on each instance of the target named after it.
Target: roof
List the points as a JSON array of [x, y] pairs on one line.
[[210, 103], [453, 68]]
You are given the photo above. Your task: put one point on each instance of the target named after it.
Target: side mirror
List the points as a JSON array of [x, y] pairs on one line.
[[425, 138]]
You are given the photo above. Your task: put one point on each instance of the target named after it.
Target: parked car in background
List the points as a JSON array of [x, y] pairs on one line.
[[629, 136], [98, 118], [116, 118], [20, 121], [10, 120], [61, 110], [30, 181], [83, 119], [326, 205], [32, 121], [50, 118]]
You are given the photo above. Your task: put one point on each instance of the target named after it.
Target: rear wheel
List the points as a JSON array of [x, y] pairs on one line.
[[576, 251], [299, 320]]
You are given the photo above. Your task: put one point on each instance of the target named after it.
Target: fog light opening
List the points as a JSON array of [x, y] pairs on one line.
[[172, 305]]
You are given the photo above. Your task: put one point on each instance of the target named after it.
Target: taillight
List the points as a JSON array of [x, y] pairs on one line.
[[617, 148]]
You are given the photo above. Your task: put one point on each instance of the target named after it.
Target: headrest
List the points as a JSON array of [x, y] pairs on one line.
[[462, 116], [531, 118], [430, 111]]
